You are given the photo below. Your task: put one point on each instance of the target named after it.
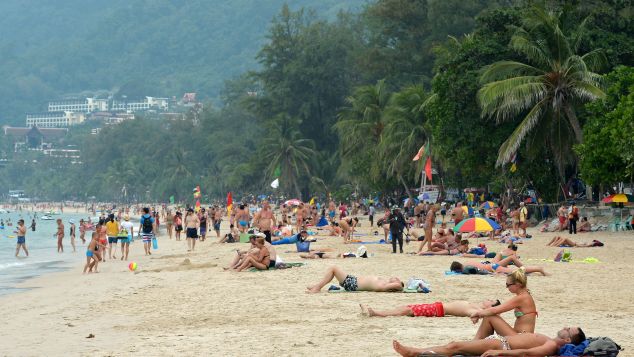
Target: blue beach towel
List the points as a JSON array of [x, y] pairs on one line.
[[382, 241], [573, 350]]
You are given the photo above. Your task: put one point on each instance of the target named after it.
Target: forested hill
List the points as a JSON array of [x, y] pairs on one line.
[[142, 47]]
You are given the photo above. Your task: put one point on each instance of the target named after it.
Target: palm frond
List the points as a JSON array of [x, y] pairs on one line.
[[510, 146]]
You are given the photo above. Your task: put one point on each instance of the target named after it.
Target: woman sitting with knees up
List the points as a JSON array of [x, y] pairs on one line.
[[522, 304]]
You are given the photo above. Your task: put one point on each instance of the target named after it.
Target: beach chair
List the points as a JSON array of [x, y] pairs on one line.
[[627, 224], [615, 226]]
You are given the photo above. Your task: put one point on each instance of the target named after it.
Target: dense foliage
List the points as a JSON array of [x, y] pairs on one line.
[[340, 103]]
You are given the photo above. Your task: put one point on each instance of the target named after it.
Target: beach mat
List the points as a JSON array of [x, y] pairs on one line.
[[288, 265], [244, 237]]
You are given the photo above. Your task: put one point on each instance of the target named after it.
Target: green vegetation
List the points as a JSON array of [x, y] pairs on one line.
[[342, 102]]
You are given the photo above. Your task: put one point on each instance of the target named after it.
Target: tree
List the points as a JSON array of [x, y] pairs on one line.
[[284, 147], [544, 90], [607, 153]]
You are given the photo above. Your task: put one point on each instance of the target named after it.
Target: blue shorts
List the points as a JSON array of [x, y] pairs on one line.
[[217, 226], [243, 223], [89, 253], [203, 230], [21, 240], [112, 240], [125, 239]]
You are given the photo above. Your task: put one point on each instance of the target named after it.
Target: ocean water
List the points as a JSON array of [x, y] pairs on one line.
[[42, 245]]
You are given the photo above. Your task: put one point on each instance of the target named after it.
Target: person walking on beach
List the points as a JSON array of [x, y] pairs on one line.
[[60, 236], [128, 228], [397, 226], [573, 217], [112, 230], [71, 233], [265, 220], [191, 224], [21, 232], [217, 221], [147, 230], [523, 215], [82, 231], [202, 217], [371, 212], [562, 213], [178, 225], [169, 222], [430, 221]]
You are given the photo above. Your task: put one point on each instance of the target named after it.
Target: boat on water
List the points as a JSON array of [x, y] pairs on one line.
[[47, 217]]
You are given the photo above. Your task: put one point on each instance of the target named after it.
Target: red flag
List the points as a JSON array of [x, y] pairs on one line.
[[419, 154], [428, 168], [229, 199]]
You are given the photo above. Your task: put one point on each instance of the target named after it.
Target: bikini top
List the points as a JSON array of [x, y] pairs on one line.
[[519, 314]]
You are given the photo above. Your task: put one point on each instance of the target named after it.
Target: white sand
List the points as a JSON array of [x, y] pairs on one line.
[[168, 308]]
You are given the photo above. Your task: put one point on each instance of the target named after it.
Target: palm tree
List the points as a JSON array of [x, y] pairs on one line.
[[405, 131], [285, 148], [360, 123], [545, 89]]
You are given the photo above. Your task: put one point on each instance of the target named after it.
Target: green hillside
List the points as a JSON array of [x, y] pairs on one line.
[[142, 47]]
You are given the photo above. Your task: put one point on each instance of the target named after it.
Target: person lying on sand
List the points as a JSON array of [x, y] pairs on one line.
[[495, 268], [525, 344], [559, 241], [353, 283], [459, 308], [361, 253]]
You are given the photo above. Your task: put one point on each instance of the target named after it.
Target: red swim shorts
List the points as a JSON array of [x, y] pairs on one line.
[[562, 219], [428, 310]]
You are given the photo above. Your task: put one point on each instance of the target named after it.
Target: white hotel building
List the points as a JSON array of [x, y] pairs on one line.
[[140, 105], [60, 119], [87, 105]]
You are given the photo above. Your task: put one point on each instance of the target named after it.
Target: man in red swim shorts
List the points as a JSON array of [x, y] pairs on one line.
[[438, 309]]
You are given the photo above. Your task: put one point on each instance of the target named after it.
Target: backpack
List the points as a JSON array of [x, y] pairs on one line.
[[147, 224], [602, 346]]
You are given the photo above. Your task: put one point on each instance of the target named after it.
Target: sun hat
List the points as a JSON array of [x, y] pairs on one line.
[[362, 252], [71, 221]]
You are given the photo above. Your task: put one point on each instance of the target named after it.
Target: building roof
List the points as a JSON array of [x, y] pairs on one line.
[[50, 133]]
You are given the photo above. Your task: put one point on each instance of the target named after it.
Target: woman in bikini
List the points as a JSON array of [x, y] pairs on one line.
[[261, 262], [347, 225], [522, 304]]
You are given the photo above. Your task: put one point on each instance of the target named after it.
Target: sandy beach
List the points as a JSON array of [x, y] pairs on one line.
[[185, 304]]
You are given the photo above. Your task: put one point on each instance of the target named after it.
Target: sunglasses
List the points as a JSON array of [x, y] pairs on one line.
[[507, 284]]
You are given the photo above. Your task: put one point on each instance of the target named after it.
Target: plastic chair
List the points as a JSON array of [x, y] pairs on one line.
[[627, 224], [615, 225]]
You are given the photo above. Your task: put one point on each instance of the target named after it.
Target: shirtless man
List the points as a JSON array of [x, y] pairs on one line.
[[192, 222], [299, 217], [242, 215], [332, 211], [353, 283], [497, 268], [60, 236], [525, 344], [430, 221], [459, 308], [457, 214], [217, 220], [265, 220], [562, 216], [418, 212], [284, 211]]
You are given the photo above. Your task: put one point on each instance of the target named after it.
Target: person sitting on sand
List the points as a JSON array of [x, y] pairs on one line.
[[353, 283], [558, 241], [495, 268], [242, 254], [262, 261], [458, 308], [299, 237], [523, 307], [232, 237], [584, 226], [525, 344]]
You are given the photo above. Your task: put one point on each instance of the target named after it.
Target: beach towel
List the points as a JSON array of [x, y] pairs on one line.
[[279, 266], [322, 222], [573, 350], [382, 241], [339, 289]]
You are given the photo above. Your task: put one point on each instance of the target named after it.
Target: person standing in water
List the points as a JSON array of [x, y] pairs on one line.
[[21, 232], [33, 224], [71, 233], [60, 236]]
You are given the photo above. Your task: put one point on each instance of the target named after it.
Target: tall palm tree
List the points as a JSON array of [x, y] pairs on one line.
[[285, 148], [545, 89], [405, 131], [360, 123]]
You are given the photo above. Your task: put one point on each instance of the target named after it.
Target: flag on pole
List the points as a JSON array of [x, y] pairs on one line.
[[312, 201], [197, 192], [277, 172], [428, 168], [172, 199], [229, 203], [419, 154], [197, 206], [275, 183], [513, 162]]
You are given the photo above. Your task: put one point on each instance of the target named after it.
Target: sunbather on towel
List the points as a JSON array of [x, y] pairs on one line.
[[438, 309], [559, 241], [463, 248], [525, 344], [496, 268], [353, 283]]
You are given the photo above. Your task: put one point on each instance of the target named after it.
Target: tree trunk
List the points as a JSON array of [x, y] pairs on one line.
[[574, 123], [409, 193]]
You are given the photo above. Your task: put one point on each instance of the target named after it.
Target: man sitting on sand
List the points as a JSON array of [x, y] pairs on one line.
[[525, 344], [458, 308], [495, 268], [353, 283]]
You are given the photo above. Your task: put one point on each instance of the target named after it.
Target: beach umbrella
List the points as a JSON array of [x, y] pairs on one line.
[[293, 202], [488, 205], [476, 224], [619, 198]]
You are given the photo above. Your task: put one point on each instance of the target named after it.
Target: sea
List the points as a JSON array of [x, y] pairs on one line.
[[42, 245]]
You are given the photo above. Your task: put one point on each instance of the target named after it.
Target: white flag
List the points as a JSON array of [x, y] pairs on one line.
[[275, 183]]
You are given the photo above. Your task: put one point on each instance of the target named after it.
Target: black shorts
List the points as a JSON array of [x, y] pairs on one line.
[[179, 228], [192, 233], [267, 236], [112, 240]]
